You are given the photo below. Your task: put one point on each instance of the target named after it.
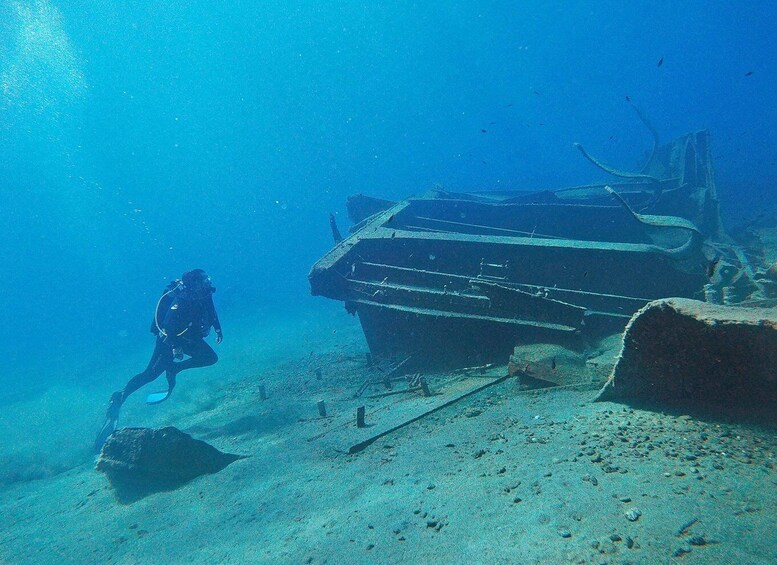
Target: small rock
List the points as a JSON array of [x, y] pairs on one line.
[[565, 533], [629, 542], [633, 514], [472, 412], [431, 523], [615, 537], [697, 540], [625, 499], [430, 487], [370, 546]]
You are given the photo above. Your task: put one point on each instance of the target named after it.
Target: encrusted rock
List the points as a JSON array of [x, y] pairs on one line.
[[141, 461]]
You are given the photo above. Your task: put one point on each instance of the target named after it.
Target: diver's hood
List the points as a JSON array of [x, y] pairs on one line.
[[197, 291]]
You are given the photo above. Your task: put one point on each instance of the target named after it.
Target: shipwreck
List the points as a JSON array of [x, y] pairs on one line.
[[458, 279]]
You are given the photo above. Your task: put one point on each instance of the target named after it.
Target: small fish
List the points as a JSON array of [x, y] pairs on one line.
[[537, 92], [660, 62], [628, 99], [749, 73], [483, 131]]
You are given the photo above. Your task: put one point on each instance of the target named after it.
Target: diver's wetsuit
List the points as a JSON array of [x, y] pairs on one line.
[[186, 320], [183, 318]]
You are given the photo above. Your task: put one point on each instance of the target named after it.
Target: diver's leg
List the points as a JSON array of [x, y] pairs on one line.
[[200, 355], [160, 361]]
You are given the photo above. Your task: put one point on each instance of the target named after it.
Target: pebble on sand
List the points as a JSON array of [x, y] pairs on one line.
[[633, 514]]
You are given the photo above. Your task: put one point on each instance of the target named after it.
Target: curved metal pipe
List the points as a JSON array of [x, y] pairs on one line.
[[613, 171]]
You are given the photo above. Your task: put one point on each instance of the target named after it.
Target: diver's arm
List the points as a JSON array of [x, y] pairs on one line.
[[215, 323]]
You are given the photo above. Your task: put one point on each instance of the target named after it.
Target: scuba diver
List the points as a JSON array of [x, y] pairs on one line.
[[183, 317]]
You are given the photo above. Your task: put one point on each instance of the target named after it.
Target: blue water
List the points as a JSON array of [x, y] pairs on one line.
[[142, 139]]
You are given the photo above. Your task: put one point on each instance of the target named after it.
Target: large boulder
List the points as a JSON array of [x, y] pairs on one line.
[[141, 461], [678, 351]]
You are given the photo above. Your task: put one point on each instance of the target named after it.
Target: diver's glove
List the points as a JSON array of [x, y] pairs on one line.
[[219, 336]]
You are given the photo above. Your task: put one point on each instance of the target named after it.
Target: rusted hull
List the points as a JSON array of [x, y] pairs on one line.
[[442, 339]]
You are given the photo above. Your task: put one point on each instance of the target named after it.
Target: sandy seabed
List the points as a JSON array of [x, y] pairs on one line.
[[503, 476]]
